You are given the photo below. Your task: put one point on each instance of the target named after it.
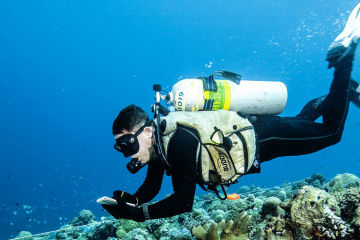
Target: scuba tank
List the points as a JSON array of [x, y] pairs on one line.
[[250, 97]]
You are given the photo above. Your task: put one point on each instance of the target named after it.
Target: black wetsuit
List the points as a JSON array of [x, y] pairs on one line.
[[276, 137], [181, 157]]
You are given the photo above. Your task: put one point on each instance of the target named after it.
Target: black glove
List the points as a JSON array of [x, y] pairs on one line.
[[121, 196], [122, 210]]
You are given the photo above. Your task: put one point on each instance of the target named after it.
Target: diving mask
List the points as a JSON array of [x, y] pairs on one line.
[[128, 143]]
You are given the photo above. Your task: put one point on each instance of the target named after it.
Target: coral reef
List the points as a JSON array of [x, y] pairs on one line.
[[24, 235], [316, 180], [126, 226], [349, 202], [102, 231], [84, 217], [137, 234], [308, 209], [224, 230], [272, 206], [315, 212], [276, 230], [341, 182], [356, 221]]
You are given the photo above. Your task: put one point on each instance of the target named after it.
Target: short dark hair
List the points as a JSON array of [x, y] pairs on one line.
[[129, 118]]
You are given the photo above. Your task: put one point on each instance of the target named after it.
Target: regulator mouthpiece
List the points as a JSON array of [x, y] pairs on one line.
[[134, 165]]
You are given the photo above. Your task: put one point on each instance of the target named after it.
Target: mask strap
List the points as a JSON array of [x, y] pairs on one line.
[[146, 124]]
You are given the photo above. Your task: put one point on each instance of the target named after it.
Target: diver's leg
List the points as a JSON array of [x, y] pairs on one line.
[[315, 108], [278, 136], [312, 110], [337, 102], [290, 136], [354, 93]]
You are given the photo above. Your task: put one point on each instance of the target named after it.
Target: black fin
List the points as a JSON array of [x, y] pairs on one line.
[[234, 77]]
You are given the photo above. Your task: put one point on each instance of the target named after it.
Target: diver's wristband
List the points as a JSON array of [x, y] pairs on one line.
[[137, 202], [145, 208]]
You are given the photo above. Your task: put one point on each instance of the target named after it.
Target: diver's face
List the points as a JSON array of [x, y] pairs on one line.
[[145, 143]]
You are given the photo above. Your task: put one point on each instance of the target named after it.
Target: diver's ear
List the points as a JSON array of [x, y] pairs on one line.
[[148, 131]]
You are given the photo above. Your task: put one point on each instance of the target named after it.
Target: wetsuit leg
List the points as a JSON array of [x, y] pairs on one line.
[[290, 136], [313, 109]]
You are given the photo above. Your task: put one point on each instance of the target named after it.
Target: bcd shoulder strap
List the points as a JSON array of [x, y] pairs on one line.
[[212, 188]]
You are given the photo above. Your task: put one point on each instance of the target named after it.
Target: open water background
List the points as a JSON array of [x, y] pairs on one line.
[[68, 67]]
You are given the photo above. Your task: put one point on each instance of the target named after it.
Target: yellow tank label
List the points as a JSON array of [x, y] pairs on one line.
[[222, 98], [227, 90], [209, 94]]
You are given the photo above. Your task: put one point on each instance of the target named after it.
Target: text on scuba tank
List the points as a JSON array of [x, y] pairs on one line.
[[179, 100]]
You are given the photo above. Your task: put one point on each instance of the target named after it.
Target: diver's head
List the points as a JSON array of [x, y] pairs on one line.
[[133, 132]]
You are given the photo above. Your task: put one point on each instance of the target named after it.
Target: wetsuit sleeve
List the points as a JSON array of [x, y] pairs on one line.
[[152, 184], [182, 157]]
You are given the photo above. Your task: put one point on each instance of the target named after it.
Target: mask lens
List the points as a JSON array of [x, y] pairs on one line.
[[127, 144]]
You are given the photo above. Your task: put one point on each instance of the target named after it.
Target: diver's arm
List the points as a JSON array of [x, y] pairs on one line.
[[151, 186], [145, 193], [179, 202], [182, 157]]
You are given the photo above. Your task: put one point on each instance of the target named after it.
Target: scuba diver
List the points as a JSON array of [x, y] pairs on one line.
[[193, 149]]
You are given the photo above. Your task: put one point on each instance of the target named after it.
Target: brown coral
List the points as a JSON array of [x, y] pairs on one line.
[[276, 230], [224, 230], [349, 202], [314, 211]]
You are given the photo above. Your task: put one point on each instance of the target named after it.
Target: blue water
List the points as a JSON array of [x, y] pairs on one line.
[[68, 67]]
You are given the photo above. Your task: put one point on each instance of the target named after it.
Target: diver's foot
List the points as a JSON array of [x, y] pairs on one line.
[[354, 93], [345, 43]]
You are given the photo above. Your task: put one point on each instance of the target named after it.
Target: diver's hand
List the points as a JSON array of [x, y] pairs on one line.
[[122, 196], [122, 210]]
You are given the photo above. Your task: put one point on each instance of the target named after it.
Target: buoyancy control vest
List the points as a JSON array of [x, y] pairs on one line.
[[226, 143]]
